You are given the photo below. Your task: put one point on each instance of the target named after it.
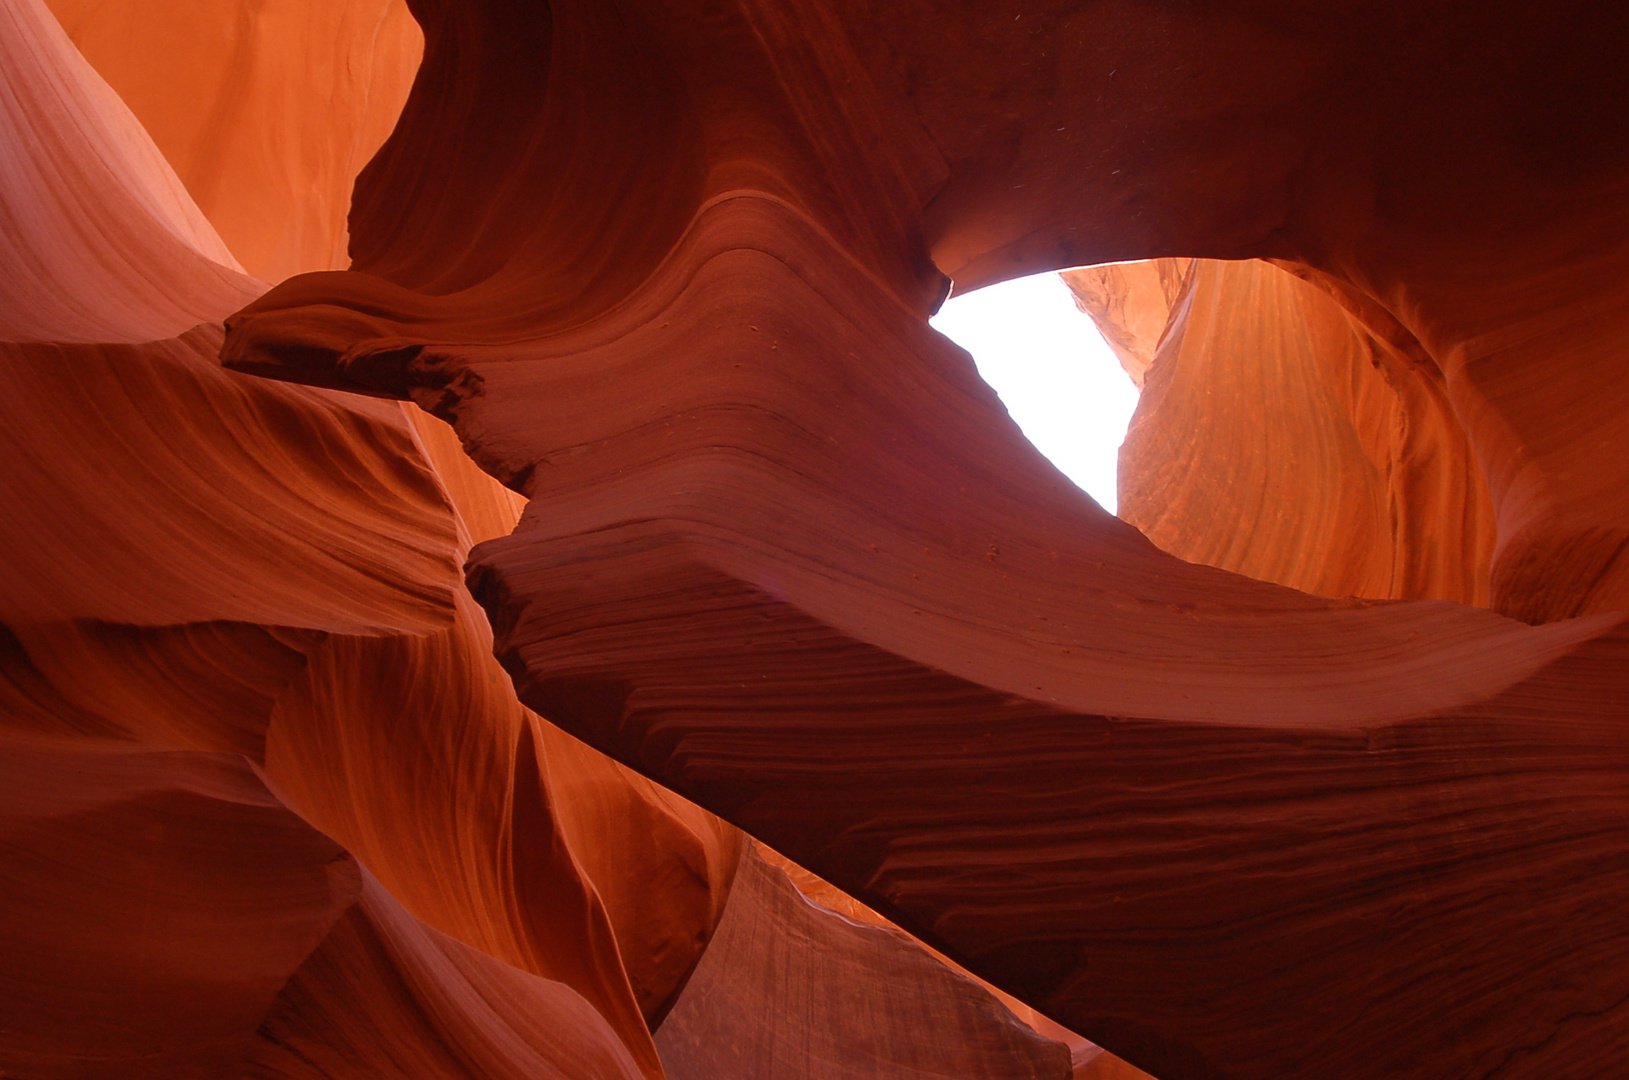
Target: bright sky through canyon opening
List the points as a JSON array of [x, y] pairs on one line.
[[1058, 378]]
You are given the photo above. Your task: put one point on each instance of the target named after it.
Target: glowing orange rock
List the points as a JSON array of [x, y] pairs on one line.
[[190, 561], [206, 561], [1131, 304], [665, 267], [1278, 437], [787, 555], [267, 111]]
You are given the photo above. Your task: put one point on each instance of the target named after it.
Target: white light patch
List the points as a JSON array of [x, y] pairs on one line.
[[1058, 378]]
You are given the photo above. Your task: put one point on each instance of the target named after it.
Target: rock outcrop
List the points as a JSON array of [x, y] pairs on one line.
[[202, 573], [270, 806], [788, 556], [787, 988], [267, 111], [1278, 437], [1347, 802]]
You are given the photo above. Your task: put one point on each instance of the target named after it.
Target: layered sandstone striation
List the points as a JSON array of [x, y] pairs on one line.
[[788, 988], [202, 573], [1279, 437], [1318, 767], [268, 804], [788, 556], [199, 569]]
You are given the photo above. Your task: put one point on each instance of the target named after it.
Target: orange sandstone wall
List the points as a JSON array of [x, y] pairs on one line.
[[266, 111], [1131, 304], [273, 808], [787, 555], [198, 565], [1280, 438], [771, 545]]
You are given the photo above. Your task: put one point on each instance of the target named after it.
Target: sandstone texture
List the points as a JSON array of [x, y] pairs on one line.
[[1278, 437], [269, 806], [266, 110], [695, 673]]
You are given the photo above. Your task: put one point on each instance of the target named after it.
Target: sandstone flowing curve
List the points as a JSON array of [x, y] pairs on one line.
[[1278, 437], [266, 111], [136, 261], [190, 560], [765, 1001], [268, 804], [666, 268]]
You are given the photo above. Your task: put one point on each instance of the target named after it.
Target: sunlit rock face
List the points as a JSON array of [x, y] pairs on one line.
[[1278, 436], [1315, 765], [270, 806], [266, 110]]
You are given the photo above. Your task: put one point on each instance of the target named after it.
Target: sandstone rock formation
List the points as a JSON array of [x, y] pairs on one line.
[[270, 806], [267, 111], [786, 555], [787, 990], [199, 568], [665, 268], [1280, 438], [1131, 304]]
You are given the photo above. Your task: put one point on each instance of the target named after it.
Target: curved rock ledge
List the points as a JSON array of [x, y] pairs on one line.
[[666, 269], [268, 804]]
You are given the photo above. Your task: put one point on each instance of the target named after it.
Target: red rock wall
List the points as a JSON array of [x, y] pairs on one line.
[[666, 268], [787, 988], [1131, 304], [1279, 437], [266, 111], [218, 589], [787, 555], [208, 577]]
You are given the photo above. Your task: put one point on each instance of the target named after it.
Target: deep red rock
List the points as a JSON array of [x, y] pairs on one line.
[[790, 988], [203, 568], [787, 555], [665, 267], [220, 895]]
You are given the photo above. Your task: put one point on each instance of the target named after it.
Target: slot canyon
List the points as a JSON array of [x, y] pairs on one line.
[[499, 580]]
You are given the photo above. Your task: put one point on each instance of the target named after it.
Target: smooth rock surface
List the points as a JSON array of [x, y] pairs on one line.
[[266, 110], [239, 660], [1279, 438], [786, 554], [790, 988], [269, 804]]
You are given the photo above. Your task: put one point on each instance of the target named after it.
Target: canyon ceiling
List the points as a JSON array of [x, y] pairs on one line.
[[501, 580]]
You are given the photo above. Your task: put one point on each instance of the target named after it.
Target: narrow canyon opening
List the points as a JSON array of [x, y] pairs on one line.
[[1053, 370]]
